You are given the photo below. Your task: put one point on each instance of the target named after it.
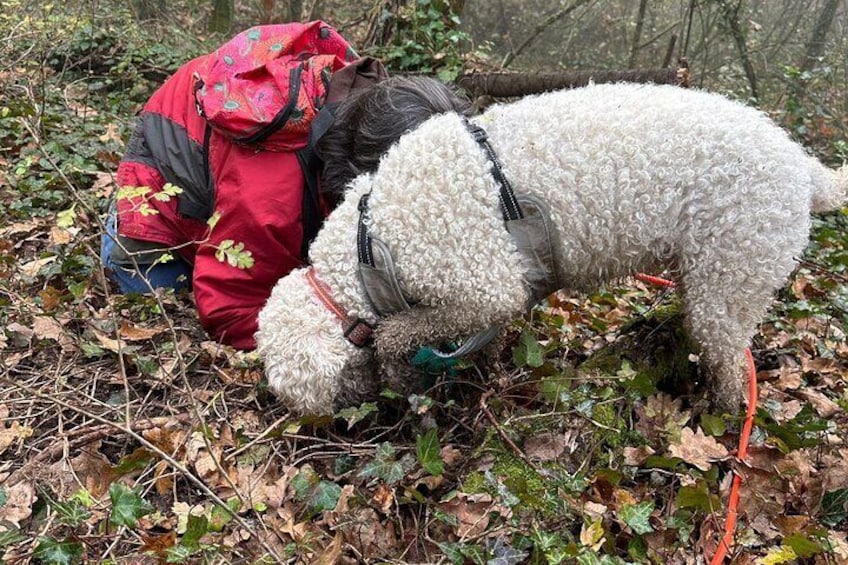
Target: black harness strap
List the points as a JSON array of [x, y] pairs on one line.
[[510, 208], [363, 240]]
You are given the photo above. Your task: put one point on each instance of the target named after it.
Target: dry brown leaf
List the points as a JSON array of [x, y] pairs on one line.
[[819, 365], [636, 456], [111, 134], [13, 433], [697, 449], [789, 378], [450, 455], [761, 493], [32, 268], [662, 415], [823, 406], [60, 236], [546, 446], [44, 327], [366, 532], [473, 512], [113, 345], [834, 470], [789, 525], [158, 544], [594, 510], [348, 492], [19, 500], [20, 227], [103, 184], [94, 469], [331, 555], [385, 498], [623, 497], [294, 530], [131, 332]]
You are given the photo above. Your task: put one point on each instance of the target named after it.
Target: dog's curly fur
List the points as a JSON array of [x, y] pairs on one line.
[[636, 176]]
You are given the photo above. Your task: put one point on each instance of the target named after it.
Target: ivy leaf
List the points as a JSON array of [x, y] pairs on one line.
[[834, 507], [428, 450], [384, 466], [196, 528], [354, 415], [325, 496], [637, 517], [528, 352], [697, 497], [54, 552], [127, 505]]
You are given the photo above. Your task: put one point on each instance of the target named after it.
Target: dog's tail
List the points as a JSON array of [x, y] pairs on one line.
[[832, 192]]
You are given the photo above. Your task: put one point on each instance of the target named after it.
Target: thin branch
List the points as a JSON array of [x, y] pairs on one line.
[[539, 29]]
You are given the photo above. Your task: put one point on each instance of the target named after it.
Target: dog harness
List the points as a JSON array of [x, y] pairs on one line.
[[527, 219]]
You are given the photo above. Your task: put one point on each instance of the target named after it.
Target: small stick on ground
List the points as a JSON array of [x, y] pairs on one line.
[[484, 406]]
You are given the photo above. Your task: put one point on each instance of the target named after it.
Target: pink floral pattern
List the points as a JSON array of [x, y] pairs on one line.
[[245, 87]]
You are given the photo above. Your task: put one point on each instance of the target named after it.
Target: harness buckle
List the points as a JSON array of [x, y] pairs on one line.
[[478, 133], [360, 332]]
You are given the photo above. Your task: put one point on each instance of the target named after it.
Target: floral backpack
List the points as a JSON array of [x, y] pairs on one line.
[[266, 85]]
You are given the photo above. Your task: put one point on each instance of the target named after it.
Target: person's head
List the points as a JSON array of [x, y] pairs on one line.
[[370, 120]]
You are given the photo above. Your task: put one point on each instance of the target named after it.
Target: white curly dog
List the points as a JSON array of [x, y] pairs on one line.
[[635, 176]]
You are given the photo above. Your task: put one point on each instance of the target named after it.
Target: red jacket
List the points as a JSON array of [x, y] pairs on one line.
[[248, 175]]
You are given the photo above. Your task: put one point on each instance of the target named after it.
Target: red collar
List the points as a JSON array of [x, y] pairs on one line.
[[357, 331]]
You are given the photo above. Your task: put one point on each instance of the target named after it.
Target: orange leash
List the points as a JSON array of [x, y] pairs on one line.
[[744, 438]]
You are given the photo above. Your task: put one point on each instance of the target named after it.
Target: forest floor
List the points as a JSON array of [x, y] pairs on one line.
[[127, 436]]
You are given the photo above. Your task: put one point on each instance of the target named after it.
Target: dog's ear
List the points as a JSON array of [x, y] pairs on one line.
[[403, 333], [306, 355]]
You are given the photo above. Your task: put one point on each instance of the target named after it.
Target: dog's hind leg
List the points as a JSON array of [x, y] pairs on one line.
[[723, 308]]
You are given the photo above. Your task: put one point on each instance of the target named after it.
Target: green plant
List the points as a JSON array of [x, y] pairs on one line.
[[428, 39]]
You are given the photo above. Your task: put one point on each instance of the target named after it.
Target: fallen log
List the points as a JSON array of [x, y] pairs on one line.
[[514, 85]]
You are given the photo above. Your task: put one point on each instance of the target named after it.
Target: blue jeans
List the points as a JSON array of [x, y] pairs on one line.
[[175, 273]]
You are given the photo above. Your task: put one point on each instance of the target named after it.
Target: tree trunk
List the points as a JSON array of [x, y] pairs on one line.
[[381, 23], [637, 34], [267, 9], [221, 20], [295, 10], [817, 41], [148, 9], [514, 85], [540, 27], [730, 14]]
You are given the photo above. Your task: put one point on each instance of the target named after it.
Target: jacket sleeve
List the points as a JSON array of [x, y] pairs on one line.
[[258, 200]]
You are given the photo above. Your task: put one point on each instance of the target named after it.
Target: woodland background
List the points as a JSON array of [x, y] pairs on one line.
[[127, 437]]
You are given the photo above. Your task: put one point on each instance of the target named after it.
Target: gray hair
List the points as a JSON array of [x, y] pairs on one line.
[[371, 120]]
